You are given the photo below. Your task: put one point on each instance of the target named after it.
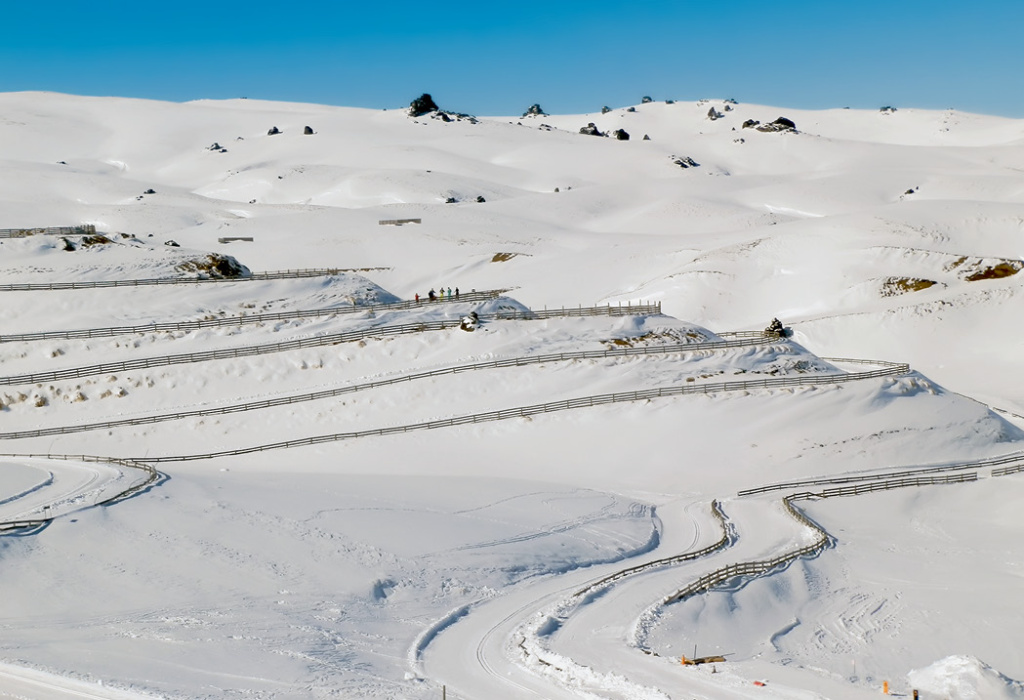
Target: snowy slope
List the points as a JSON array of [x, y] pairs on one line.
[[387, 565]]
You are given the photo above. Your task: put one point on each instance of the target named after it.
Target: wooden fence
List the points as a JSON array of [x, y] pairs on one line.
[[254, 277], [243, 319], [83, 230], [551, 406], [1016, 459], [317, 341], [150, 474], [352, 388]]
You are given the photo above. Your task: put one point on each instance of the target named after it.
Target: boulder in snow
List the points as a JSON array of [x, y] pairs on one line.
[[780, 124], [424, 104]]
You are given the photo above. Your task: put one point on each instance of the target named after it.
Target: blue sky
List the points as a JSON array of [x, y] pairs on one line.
[[499, 57]]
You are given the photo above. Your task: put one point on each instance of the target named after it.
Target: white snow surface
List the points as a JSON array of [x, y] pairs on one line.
[[525, 556]]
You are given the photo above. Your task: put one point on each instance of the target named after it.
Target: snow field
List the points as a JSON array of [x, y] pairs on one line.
[[385, 566]]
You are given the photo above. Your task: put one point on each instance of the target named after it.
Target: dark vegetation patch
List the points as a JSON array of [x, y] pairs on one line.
[[975, 269], [894, 286], [667, 337]]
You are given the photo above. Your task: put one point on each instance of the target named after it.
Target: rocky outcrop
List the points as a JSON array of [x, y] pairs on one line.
[[750, 123], [424, 104], [308, 131], [273, 131], [780, 124], [591, 130], [685, 161], [714, 114], [214, 266], [535, 111], [620, 135]]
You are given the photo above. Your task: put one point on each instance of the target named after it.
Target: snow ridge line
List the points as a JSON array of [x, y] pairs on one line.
[[152, 476], [316, 341], [888, 369], [240, 320], [424, 638], [352, 388], [253, 277]]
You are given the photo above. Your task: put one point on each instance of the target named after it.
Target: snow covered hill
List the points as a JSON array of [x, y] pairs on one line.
[[500, 507]]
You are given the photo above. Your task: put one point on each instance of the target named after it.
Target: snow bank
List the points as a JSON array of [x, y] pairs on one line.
[[964, 678]]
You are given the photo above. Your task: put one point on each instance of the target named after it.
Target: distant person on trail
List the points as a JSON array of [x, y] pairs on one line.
[[449, 293], [432, 295], [417, 297], [442, 293], [456, 292]]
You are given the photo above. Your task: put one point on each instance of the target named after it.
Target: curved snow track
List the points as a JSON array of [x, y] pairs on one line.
[[580, 633]]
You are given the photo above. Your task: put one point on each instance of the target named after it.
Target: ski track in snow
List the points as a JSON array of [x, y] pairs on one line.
[[580, 628]]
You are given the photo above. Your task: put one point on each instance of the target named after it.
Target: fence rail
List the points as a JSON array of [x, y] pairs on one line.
[[756, 568], [83, 230], [716, 510], [1015, 458], [823, 540], [239, 320], [549, 407], [151, 474], [254, 277], [301, 343], [1005, 471], [352, 388]]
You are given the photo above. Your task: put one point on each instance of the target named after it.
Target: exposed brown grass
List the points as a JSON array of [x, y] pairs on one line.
[[894, 286]]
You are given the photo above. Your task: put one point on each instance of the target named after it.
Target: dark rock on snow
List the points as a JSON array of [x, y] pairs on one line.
[[273, 131], [621, 135], [308, 131], [780, 124], [750, 123], [534, 111], [685, 162], [424, 104], [591, 130]]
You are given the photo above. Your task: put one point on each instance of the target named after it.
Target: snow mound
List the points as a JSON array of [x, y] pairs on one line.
[[965, 678]]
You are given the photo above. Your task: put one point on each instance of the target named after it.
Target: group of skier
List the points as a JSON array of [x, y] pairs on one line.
[[434, 296]]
